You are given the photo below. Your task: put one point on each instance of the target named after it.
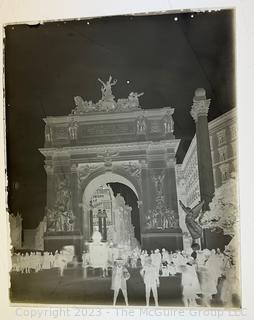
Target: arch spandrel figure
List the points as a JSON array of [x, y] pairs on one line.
[[190, 219]]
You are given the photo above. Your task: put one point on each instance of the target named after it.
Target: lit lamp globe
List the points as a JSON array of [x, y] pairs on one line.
[[97, 237]]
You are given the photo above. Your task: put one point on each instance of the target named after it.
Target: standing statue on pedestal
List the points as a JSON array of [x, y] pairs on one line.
[[190, 219], [73, 130], [48, 134], [168, 124], [141, 125]]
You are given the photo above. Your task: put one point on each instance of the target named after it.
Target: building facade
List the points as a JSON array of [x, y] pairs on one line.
[[223, 141], [223, 144]]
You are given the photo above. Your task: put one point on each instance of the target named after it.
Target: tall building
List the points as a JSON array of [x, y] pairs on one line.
[[223, 141]]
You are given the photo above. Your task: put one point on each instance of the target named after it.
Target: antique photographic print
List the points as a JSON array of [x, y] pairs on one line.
[[121, 157]]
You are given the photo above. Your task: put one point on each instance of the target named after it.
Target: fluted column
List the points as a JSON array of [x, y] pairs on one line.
[[199, 112]]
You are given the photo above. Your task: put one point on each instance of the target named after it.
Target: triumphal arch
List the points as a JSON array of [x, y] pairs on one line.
[[112, 140]]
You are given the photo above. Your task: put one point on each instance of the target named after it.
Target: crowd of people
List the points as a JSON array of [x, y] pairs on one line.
[[205, 273], [36, 261]]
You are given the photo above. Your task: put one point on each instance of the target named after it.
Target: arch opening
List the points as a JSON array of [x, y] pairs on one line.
[[110, 203]]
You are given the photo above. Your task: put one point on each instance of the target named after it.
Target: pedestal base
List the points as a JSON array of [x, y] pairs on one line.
[[171, 241], [57, 240], [213, 239]]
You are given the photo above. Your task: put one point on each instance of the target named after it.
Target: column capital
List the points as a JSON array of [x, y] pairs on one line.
[[200, 105]]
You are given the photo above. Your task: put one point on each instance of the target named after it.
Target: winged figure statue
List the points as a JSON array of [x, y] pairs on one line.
[[190, 219]]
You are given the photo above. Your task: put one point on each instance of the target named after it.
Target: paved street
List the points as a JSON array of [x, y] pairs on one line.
[[48, 287]]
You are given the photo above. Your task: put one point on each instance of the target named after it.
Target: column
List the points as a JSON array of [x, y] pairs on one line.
[[91, 219], [199, 112], [104, 225], [100, 221]]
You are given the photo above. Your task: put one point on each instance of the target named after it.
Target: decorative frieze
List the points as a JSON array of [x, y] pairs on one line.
[[102, 129]]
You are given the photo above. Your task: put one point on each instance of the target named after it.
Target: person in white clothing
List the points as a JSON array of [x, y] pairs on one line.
[[157, 260], [207, 276], [165, 256], [62, 262], [151, 280], [190, 283], [120, 275]]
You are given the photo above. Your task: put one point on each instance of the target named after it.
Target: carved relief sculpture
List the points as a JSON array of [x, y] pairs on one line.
[[158, 181], [107, 157], [134, 169], [61, 217]]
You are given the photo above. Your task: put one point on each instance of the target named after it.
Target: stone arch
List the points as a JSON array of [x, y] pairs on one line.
[[100, 177], [104, 178]]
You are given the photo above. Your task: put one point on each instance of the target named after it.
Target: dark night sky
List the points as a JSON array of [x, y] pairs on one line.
[[47, 65]]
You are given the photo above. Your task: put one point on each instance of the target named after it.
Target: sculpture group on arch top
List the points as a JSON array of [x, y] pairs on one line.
[[107, 103]]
